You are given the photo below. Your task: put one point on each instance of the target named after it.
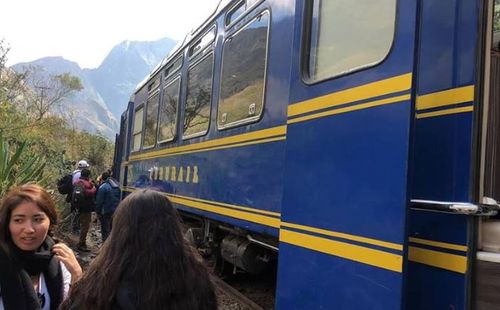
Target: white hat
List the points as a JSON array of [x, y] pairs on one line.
[[83, 164]]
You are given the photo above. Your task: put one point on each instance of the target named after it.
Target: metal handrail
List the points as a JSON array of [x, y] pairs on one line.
[[465, 208]]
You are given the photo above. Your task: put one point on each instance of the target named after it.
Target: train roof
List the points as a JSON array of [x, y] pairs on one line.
[[185, 42]]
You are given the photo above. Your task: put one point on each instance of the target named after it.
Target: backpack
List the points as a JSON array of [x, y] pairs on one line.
[[65, 184], [78, 194]]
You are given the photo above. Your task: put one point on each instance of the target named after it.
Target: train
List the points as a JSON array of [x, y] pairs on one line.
[[352, 143]]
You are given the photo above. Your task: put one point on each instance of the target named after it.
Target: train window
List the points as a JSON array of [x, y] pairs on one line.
[[238, 10], [333, 51], [137, 131], [153, 85], [203, 42], [151, 120], [198, 98], [235, 12], [168, 111], [241, 97], [173, 67]]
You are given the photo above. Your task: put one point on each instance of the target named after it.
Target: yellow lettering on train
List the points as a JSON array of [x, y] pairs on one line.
[[167, 173], [188, 174], [195, 174], [160, 174], [180, 175], [172, 173]]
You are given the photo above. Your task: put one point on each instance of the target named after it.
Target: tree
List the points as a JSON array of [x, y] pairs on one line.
[[47, 90], [11, 83], [37, 145]]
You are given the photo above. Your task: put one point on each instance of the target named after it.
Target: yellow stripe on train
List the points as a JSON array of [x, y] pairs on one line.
[[446, 98], [379, 88], [373, 257], [447, 261], [261, 136]]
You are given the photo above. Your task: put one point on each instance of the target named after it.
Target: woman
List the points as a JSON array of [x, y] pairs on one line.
[[145, 263], [35, 273]]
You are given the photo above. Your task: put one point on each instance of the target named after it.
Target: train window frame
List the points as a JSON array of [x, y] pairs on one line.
[[234, 9], [173, 68], [248, 5], [199, 45], [257, 117], [136, 132], [208, 52], [310, 35], [172, 80], [125, 135], [155, 92]]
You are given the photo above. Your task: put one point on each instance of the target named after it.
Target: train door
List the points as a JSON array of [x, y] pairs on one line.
[[446, 204], [343, 219], [126, 144]]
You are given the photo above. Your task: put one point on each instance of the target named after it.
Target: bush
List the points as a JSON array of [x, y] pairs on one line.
[[17, 167]]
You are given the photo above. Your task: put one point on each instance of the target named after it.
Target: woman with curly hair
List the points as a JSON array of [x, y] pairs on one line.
[[145, 263]]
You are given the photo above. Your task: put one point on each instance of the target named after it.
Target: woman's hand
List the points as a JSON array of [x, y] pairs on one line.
[[68, 258]]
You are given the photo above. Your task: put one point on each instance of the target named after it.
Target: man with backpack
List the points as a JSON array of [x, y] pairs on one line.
[[108, 198], [82, 199], [65, 187], [75, 176], [82, 164]]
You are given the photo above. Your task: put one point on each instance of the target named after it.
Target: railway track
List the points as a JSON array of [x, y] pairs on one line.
[[233, 294]]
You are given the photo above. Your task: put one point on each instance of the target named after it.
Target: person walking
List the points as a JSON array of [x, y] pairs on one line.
[[82, 164], [145, 263], [83, 199], [107, 199], [75, 176], [35, 271]]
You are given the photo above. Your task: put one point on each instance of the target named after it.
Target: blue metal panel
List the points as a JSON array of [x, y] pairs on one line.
[[350, 169], [438, 279], [339, 284], [428, 227], [249, 176], [442, 158], [346, 181], [448, 30], [432, 288]]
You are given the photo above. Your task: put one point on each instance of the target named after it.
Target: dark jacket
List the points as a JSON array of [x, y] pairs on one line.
[[108, 196], [88, 204]]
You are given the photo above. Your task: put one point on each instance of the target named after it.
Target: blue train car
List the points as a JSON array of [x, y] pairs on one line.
[[352, 142]]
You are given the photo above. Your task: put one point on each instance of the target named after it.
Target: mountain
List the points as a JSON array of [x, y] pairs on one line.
[[97, 108], [125, 66]]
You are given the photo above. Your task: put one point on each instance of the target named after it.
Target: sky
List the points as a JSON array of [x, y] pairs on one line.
[[85, 31]]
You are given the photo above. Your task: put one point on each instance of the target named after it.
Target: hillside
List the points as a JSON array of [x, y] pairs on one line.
[[97, 108]]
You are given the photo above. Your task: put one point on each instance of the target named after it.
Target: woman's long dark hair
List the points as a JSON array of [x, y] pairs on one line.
[[146, 248]]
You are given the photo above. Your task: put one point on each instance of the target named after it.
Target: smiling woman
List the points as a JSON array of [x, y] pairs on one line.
[[36, 272]]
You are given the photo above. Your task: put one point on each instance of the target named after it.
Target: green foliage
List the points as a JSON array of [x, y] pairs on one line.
[[36, 145], [72, 82], [17, 167]]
